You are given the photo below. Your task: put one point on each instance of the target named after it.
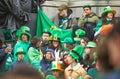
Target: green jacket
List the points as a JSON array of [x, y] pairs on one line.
[[25, 46], [90, 18], [99, 24], [34, 55]]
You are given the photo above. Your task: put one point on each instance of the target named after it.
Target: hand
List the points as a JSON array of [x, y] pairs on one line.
[[7, 50], [84, 15]]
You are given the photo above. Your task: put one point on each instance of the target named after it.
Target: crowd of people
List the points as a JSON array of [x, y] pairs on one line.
[[91, 53]]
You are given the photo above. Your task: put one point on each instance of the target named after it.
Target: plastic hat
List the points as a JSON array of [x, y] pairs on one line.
[[26, 33], [56, 66], [91, 44], [79, 33], [68, 40], [76, 51], [108, 9], [25, 29], [105, 29], [20, 51], [56, 38], [50, 77], [57, 32]]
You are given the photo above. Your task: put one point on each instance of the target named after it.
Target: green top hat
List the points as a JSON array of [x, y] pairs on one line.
[[20, 51], [108, 9], [8, 35], [25, 29], [55, 38], [79, 33], [50, 77], [56, 32], [56, 66], [26, 33], [91, 44], [76, 51], [68, 40]]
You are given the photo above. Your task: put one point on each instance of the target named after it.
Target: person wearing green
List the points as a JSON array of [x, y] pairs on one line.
[[24, 43], [68, 44], [57, 70], [79, 33], [107, 18], [34, 53], [75, 69], [20, 53]]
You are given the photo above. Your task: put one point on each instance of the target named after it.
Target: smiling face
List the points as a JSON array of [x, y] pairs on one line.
[[109, 15], [24, 37], [55, 43]]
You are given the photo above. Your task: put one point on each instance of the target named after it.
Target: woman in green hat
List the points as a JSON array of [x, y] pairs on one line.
[[24, 42], [107, 19]]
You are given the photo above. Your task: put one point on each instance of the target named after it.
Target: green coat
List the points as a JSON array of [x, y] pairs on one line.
[[99, 24], [34, 57], [25, 46]]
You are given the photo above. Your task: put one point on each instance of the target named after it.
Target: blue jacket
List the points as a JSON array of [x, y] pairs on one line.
[[46, 65]]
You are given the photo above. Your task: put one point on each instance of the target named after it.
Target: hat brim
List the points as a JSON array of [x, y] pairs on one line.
[[20, 53], [77, 39], [113, 11], [90, 46]]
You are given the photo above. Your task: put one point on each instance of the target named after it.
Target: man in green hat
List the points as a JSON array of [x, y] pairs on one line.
[[20, 53], [75, 69], [24, 43], [56, 70]]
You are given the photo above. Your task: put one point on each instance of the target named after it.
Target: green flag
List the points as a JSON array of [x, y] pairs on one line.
[[44, 23]]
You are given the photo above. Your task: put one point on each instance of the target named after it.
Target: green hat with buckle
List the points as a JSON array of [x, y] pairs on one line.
[[20, 51], [91, 44], [56, 34], [79, 33], [107, 10]]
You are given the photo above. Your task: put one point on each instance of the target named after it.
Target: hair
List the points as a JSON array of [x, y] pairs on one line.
[[103, 57], [104, 19], [87, 6], [24, 71], [35, 40]]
